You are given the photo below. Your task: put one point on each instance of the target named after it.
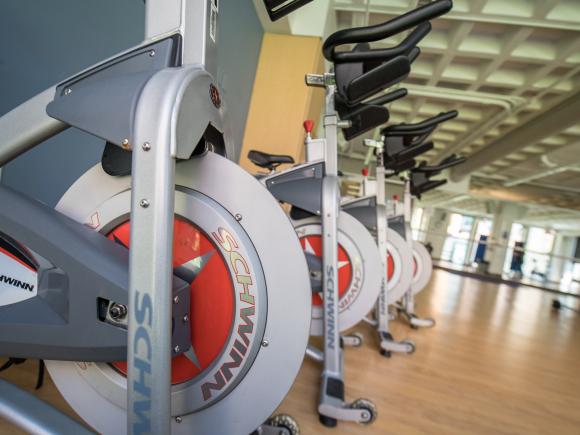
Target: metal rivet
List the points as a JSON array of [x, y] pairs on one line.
[[238, 217], [176, 349], [152, 53], [125, 144], [176, 300], [178, 419], [265, 343], [146, 146], [144, 203], [186, 318], [67, 91]]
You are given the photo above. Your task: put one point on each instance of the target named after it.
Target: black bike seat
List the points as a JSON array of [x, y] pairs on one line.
[[268, 161]]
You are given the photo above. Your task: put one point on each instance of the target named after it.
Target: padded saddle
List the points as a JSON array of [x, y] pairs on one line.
[[268, 161]]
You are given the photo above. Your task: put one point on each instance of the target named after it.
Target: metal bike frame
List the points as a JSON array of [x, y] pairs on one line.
[[333, 367], [409, 299], [382, 225], [155, 149]]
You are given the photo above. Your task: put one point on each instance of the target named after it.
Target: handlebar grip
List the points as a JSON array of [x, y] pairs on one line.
[[413, 151], [398, 167], [428, 123], [385, 53], [280, 8], [382, 31], [414, 54], [377, 79], [419, 190], [445, 164], [389, 132], [388, 98]]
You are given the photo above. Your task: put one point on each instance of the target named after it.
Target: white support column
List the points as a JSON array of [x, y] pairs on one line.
[[563, 247], [504, 217]]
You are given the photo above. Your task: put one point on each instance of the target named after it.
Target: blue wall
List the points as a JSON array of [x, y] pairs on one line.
[[44, 42]]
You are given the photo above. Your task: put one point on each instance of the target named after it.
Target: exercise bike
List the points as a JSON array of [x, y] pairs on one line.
[[312, 188], [177, 333], [402, 144]]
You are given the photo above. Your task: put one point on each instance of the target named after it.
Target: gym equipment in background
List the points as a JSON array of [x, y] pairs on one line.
[[181, 330]]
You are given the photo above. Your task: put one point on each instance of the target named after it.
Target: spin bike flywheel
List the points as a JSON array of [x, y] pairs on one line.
[[423, 267], [230, 230], [359, 270], [400, 268]]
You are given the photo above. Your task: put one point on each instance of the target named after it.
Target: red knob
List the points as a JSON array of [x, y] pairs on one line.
[[396, 197], [365, 172], [308, 125]]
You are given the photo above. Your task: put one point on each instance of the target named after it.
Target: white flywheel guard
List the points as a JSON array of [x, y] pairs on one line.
[[424, 267], [402, 266], [363, 254], [285, 272]]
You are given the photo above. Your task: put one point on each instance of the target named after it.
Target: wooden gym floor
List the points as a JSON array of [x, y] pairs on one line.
[[499, 361]]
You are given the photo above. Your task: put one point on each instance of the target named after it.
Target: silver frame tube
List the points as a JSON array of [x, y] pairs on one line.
[[26, 126]]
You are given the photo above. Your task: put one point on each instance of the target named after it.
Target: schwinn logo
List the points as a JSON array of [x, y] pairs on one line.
[[142, 348], [245, 333], [330, 308], [16, 283]]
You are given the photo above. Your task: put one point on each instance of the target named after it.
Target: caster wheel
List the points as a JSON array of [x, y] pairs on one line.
[[556, 304], [284, 421], [411, 346], [385, 353], [357, 339], [368, 406], [327, 421], [414, 327]]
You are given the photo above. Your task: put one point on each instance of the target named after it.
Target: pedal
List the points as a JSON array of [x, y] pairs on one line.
[[353, 340]]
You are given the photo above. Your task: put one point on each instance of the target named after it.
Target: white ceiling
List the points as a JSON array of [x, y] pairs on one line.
[[512, 69]]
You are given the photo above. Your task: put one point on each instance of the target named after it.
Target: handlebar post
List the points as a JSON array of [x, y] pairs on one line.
[[331, 131]]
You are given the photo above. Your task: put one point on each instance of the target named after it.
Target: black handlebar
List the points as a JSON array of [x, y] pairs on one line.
[[387, 29], [414, 54], [420, 127], [449, 162], [385, 53], [280, 8], [425, 187], [388, 97]]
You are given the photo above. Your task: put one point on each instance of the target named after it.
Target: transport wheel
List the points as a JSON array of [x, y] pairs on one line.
[[367, 405], [327, 421], [286, 422], [385, 353], [411, 346]]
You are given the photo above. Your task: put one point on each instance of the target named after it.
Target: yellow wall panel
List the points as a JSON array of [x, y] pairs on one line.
[[280, 100]]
